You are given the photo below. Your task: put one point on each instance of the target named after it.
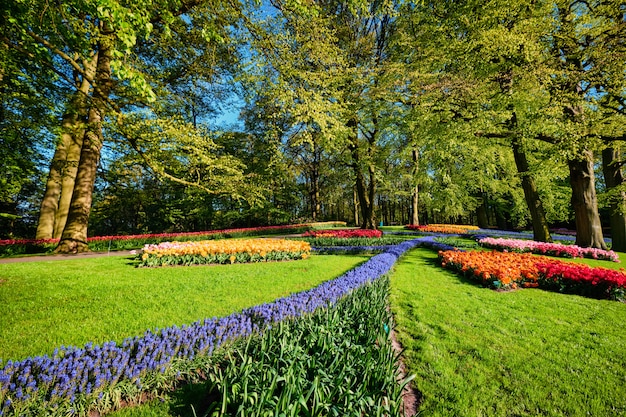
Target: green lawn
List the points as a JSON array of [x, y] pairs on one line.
[[477, 352], [72, 302]]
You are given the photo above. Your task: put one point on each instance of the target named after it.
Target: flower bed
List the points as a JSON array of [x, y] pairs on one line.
[[345, 233], [552, 249], [582, 279], [222, 251], [348, 240], [43, 385], [508, 270], [19, 246], [454, 229], [493, 269]]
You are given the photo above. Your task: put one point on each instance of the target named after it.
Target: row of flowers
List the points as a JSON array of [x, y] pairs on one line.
[[345, 233], [72, 373], [222, 251], [160, 236], [509, 270], [455, 229], [544, 248]]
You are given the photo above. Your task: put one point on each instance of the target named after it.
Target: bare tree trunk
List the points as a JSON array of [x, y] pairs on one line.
[[584, 202], [613, 177], [74, 237], [541, 232], [67, 183]]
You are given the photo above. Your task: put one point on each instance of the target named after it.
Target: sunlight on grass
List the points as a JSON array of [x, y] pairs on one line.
[[53, 303], [524, 353]]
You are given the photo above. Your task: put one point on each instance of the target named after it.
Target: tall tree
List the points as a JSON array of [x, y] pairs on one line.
[[493, 48], [75, 37], [583, 34], [325, 64]]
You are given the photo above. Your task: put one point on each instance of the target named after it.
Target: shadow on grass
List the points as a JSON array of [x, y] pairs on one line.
[[192, 400], [460, 278]]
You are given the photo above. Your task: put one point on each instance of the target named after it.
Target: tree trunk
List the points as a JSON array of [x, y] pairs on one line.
[[67, 183], [77, 134], [363, 191], [371, 222], [362, 194], [74, 237], [50, 200], [613, 177], [414, 196], [541, 232], [481, 213], [60, 183], [315, 182], [355, 199], [315, 193], [584, 202]]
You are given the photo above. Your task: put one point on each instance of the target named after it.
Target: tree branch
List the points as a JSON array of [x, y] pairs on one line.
[[62, 54]]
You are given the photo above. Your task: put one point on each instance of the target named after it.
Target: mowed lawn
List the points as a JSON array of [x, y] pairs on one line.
[[72, 302], [478, 352]]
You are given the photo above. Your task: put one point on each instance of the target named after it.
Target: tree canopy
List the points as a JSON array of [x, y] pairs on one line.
[[500, 114]]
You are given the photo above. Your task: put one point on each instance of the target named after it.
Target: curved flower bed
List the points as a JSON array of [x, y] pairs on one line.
[[455, 229], [71, 373], [508, 270], [344, 233], [222, 251], [552, 249]]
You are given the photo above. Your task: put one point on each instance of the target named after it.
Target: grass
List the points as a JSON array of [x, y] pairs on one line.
[[477, 352], [72, 302]]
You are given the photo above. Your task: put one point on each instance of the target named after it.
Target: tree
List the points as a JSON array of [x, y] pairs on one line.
[[325, 65], [489, 50], [92, 42]]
